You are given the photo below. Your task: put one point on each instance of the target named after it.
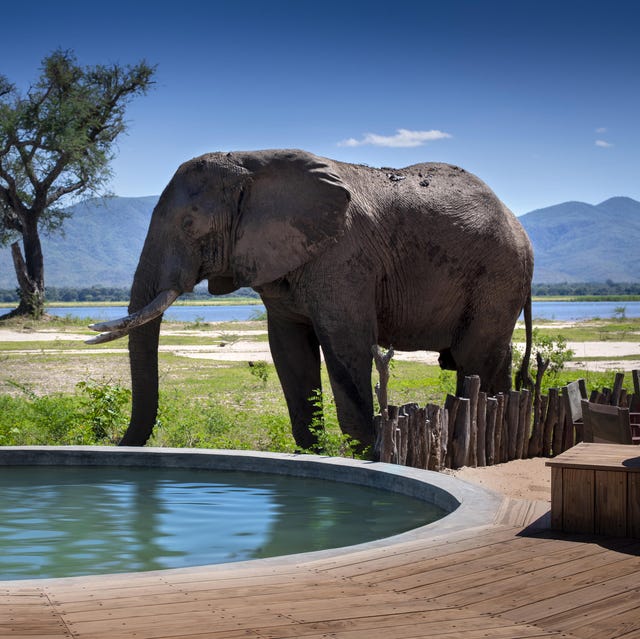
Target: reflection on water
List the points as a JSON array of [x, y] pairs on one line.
[[72, 521]]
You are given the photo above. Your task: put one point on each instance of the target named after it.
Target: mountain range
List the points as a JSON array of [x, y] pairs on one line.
[[578, 242], [573, 242]]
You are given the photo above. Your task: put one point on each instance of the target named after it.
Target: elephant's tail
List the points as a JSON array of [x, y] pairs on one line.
[[523, 378]]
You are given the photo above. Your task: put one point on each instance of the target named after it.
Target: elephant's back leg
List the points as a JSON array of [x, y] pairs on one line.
[[484, 349]]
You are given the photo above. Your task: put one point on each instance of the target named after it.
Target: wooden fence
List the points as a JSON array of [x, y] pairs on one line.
[[477, 430]]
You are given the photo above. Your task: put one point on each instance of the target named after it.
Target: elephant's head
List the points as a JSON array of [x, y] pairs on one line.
[[234, 219]]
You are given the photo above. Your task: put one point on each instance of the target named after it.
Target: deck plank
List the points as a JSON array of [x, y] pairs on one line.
[[496, 582]]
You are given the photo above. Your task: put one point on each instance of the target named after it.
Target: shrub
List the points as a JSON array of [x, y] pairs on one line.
[[325, 426], [104, 409]]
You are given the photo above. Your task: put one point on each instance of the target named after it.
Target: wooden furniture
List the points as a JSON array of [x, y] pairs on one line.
[[604, 424], [595, 488], [573, 394], [634, 419]]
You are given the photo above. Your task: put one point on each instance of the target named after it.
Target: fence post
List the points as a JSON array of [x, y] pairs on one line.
[[471, 390], [451, 406], [388, 426], [461, 433], [513, 414], [524, 424], [502, 400], [492, 412], [434, 419], [402, 438], [482, 430], [617, 389], [421, 443]]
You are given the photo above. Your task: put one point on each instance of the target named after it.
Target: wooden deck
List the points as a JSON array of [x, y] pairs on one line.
[[498, 581]]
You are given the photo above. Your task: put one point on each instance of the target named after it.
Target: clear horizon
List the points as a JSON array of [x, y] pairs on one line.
[[539, 100]]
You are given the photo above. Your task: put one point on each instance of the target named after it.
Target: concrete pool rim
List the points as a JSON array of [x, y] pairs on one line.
[[469, 506]]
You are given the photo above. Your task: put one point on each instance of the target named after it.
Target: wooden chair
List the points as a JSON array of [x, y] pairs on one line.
[[635, 427], [634, 408], [604, 424], [573, 394]]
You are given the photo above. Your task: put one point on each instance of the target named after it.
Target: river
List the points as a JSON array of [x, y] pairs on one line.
[[560, 311]]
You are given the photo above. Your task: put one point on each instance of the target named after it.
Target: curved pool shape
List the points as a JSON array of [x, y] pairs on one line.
[[64, 522], [394, 491]]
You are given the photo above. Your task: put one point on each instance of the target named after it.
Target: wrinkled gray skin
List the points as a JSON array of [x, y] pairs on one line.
[[343, 257]]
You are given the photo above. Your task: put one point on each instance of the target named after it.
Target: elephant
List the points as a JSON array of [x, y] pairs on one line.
[[344, 257]]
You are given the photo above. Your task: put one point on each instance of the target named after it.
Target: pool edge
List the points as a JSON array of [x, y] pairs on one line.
[[469, 505]]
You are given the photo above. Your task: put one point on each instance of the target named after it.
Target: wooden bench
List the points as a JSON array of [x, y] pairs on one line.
[[595, 489]]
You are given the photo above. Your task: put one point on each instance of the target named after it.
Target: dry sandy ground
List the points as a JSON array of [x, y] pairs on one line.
[[519, 479], [240, 350]]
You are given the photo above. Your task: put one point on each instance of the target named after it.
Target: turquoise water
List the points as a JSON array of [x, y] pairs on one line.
[[63, 522]]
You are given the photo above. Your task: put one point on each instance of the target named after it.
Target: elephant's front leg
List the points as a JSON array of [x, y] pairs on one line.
[[296, 355], [348, 359]]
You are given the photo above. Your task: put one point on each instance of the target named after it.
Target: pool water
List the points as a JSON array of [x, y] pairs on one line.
[[69, 521]]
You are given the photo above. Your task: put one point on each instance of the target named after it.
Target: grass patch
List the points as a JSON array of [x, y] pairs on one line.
[[626, 330], [65, 392]]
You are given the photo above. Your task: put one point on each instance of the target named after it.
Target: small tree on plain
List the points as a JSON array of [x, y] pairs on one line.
[[56, 142]]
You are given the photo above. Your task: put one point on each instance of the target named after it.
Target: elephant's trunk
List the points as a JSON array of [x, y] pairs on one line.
[[143, 354], [149, 299], [143, 360], [143, 328]]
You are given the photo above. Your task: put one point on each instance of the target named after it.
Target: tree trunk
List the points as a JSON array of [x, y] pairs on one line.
[[30, 274]]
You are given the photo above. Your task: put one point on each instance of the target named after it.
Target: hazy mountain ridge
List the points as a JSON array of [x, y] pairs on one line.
[[579, 242], [573, 242], [100, 245]]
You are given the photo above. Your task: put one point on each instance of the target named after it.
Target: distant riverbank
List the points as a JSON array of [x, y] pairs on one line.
[[250, 308], [176, 312]]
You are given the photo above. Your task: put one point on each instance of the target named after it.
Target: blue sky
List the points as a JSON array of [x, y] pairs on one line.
[[539, 99]]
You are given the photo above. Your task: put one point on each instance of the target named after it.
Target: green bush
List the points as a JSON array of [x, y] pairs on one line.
[[31, 420], [552, 347], [104, 408], [331, 440], [97, 414]]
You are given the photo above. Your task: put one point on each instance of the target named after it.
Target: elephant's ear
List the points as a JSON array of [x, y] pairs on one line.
[[292, 209]]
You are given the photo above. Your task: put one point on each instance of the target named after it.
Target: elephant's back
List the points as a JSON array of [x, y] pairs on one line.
[[436, 197], [443, 211], [448, 244]]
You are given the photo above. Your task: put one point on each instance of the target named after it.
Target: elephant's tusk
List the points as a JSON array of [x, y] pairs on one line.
[[107, 337], [149, 312]]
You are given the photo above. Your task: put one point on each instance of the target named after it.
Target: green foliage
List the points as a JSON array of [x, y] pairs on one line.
[[330, 439], [552, 347], [620, 313], [93, 294], [258, 316], [32, 420], [207, 423], [105, 407], [588, 291], [418, 382], [277, 437], [260, 369], [61, 132], [56, 141], [97, 415]]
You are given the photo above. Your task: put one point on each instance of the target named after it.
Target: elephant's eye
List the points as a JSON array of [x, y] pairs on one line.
[[187, 223]]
